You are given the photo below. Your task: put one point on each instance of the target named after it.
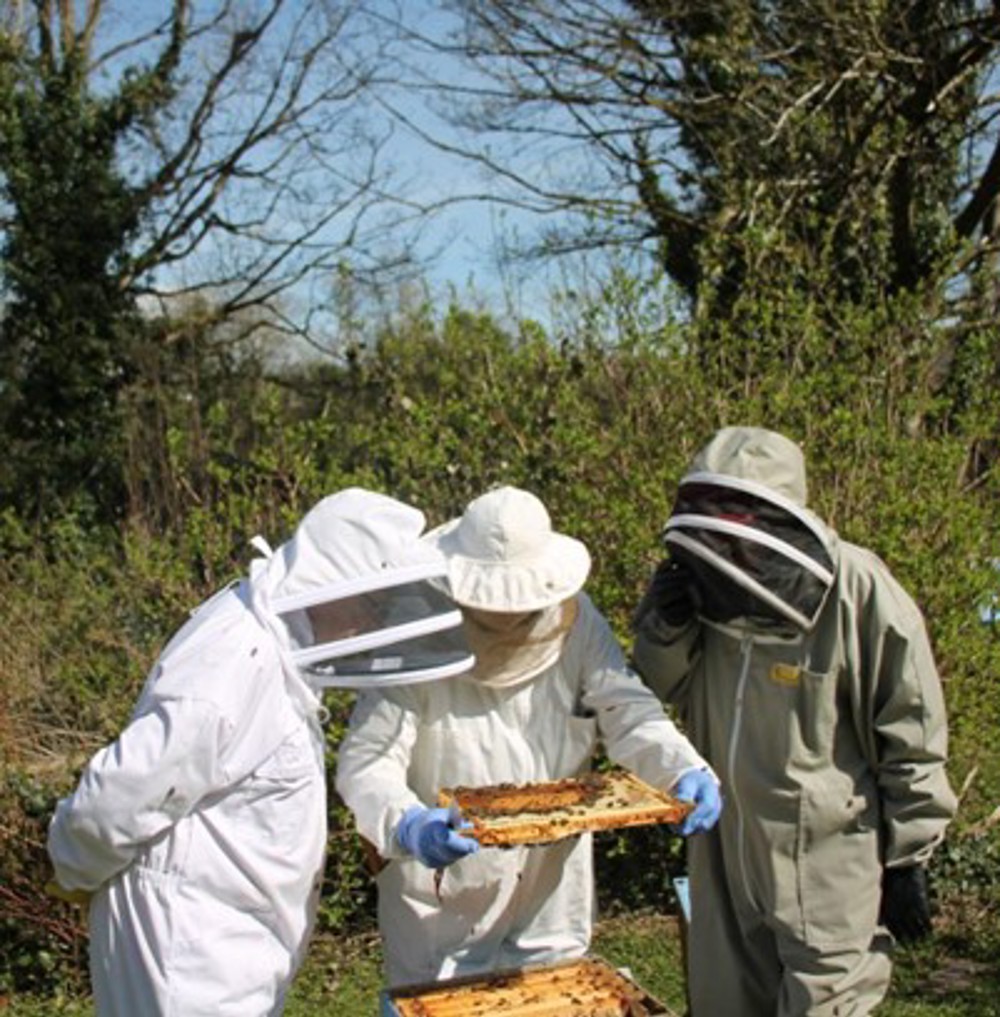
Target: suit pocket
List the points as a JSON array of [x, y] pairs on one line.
[[280, 798], [815, 719], [839, 866]]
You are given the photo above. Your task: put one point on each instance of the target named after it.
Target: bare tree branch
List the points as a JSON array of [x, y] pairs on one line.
[[677, 126]]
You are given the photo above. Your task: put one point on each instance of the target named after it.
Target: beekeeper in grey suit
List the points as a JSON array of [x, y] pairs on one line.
[[802, 671]]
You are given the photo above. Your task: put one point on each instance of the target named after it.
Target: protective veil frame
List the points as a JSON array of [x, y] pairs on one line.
[[308, 657], [678, 529]]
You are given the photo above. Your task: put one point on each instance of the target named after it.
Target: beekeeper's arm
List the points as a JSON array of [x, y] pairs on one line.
[[667, 634], [634, 728], [905, 731], [910, 727], [160, 766], [637, 733], [372, 766]]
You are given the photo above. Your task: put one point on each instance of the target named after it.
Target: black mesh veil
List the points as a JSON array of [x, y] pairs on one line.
[[750, 552]]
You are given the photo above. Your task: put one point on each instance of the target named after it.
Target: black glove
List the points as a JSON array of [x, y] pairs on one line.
[[669, 594], [906, 903]]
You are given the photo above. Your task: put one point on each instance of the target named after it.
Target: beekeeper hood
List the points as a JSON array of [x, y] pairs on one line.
[[355, 599], [516, 579], [741, 526]]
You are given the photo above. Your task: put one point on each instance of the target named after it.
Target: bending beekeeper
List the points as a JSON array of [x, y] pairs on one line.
[[200, 832], [549, 684], [803, 672]]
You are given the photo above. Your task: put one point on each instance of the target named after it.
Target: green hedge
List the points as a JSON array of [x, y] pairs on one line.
[[434, 412]]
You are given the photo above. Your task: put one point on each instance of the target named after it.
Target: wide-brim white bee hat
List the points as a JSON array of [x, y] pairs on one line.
[[503, 554]]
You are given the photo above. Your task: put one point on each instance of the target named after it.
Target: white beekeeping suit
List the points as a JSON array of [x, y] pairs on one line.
[[201, 830], [550, 684]]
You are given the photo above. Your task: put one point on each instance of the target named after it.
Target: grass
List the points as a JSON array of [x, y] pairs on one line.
[[953, 977], [338, 978], [649, 946]]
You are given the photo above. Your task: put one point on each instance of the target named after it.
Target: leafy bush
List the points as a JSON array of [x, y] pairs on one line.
[[435, 412]]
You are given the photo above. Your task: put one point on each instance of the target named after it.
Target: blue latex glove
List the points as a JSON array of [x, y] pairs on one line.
[[698, 786], [429, 835]]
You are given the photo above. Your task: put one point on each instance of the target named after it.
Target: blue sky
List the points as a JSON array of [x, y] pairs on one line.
[[463, 238]]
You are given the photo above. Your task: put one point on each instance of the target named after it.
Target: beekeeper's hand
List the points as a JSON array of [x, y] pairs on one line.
[[81, 897], [700, 787], [669, 596], [906, 903], [431, 836]]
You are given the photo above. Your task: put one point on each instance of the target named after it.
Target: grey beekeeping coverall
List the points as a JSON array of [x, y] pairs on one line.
[[821, 711]]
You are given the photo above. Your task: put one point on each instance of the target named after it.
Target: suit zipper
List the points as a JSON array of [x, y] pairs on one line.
[[746, 645]]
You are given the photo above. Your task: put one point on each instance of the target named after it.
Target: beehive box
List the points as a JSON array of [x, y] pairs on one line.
[[589, 987], [503, 815]]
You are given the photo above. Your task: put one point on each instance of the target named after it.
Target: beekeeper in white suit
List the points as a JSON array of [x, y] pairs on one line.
[[549, 684], [201, 830]]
